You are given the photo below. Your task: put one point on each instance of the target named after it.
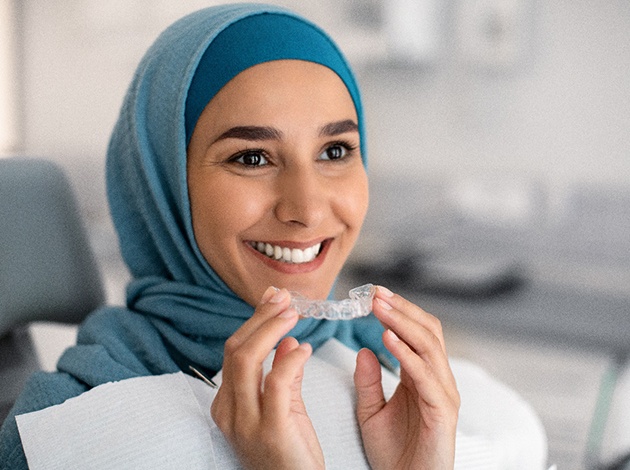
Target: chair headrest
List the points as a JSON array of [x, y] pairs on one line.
[[47, 269]]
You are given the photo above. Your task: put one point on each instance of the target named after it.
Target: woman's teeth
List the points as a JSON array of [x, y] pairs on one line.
[[288, 255]]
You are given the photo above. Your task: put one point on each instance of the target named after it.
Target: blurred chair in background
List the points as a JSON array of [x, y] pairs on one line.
[[47, 269]]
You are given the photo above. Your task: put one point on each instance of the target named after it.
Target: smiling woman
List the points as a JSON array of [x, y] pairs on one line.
[[236, 173]]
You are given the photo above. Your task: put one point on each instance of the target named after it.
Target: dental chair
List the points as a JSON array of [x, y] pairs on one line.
[[48, 272]]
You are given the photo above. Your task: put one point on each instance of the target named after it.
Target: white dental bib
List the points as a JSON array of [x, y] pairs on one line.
[[164, 422]]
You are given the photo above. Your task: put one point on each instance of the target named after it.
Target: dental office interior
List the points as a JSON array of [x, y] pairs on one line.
[[498, 137]]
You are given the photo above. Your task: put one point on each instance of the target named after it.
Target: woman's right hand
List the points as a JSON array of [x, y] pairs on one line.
[[268, 427]]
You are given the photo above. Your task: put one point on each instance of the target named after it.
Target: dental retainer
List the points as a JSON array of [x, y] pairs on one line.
[[358, 305]]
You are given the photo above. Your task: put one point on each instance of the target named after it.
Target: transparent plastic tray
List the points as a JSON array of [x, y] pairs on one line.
[[358, 305]]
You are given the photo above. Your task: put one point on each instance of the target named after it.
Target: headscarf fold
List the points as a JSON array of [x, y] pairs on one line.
[[179, 310]]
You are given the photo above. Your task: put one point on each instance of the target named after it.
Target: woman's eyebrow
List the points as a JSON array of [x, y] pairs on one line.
[[338, 127], [255, 133], [251, 133]]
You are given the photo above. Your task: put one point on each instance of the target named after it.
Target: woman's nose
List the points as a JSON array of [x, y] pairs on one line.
[[303, 198]]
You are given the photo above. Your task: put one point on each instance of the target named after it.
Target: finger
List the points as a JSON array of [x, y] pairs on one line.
[[427, 380], [283, 385], [384, 298], [413, 330], [243, 359], [418, 336], [271, 315], [421, 342], [367, 381], [273, 302], [286, 346]]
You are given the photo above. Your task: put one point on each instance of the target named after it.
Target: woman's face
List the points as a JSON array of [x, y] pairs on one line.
[[277, 188]]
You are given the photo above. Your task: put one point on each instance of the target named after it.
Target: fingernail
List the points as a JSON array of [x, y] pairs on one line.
[[384, 304], [279, 296], [288, 313], [393, 335], [306, 347], [386, 292], [268, 294]]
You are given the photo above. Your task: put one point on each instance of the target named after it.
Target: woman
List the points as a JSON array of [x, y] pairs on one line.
[[236, 173]]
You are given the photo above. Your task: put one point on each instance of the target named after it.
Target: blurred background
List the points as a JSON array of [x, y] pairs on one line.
[[498, 144]]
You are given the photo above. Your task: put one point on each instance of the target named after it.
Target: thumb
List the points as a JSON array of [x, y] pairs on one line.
[[287, 345], [367, 381]]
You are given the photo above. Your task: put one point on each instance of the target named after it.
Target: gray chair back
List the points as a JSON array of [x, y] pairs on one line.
[[47, 269]]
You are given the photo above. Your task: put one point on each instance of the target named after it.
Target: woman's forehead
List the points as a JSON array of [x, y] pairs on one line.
[[312, 80]]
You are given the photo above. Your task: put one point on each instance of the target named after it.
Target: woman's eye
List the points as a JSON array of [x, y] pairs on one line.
[[251, 159], [334, 152]]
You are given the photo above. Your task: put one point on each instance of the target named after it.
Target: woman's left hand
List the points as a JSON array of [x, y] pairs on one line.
[[416, 427]]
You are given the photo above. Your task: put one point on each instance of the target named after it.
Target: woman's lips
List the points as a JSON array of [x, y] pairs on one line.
[[291, 259]]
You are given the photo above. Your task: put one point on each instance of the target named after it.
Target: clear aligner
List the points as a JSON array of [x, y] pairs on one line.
[[358, 305]]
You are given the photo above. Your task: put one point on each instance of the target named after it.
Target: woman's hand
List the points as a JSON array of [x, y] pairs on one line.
[[267, 426], [416, 427]]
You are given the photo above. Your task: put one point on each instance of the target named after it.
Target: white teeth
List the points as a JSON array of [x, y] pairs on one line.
[[297, 256], [288, 255], [268, 249]]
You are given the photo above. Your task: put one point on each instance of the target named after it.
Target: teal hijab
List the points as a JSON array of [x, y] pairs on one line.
[[179, 311]]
